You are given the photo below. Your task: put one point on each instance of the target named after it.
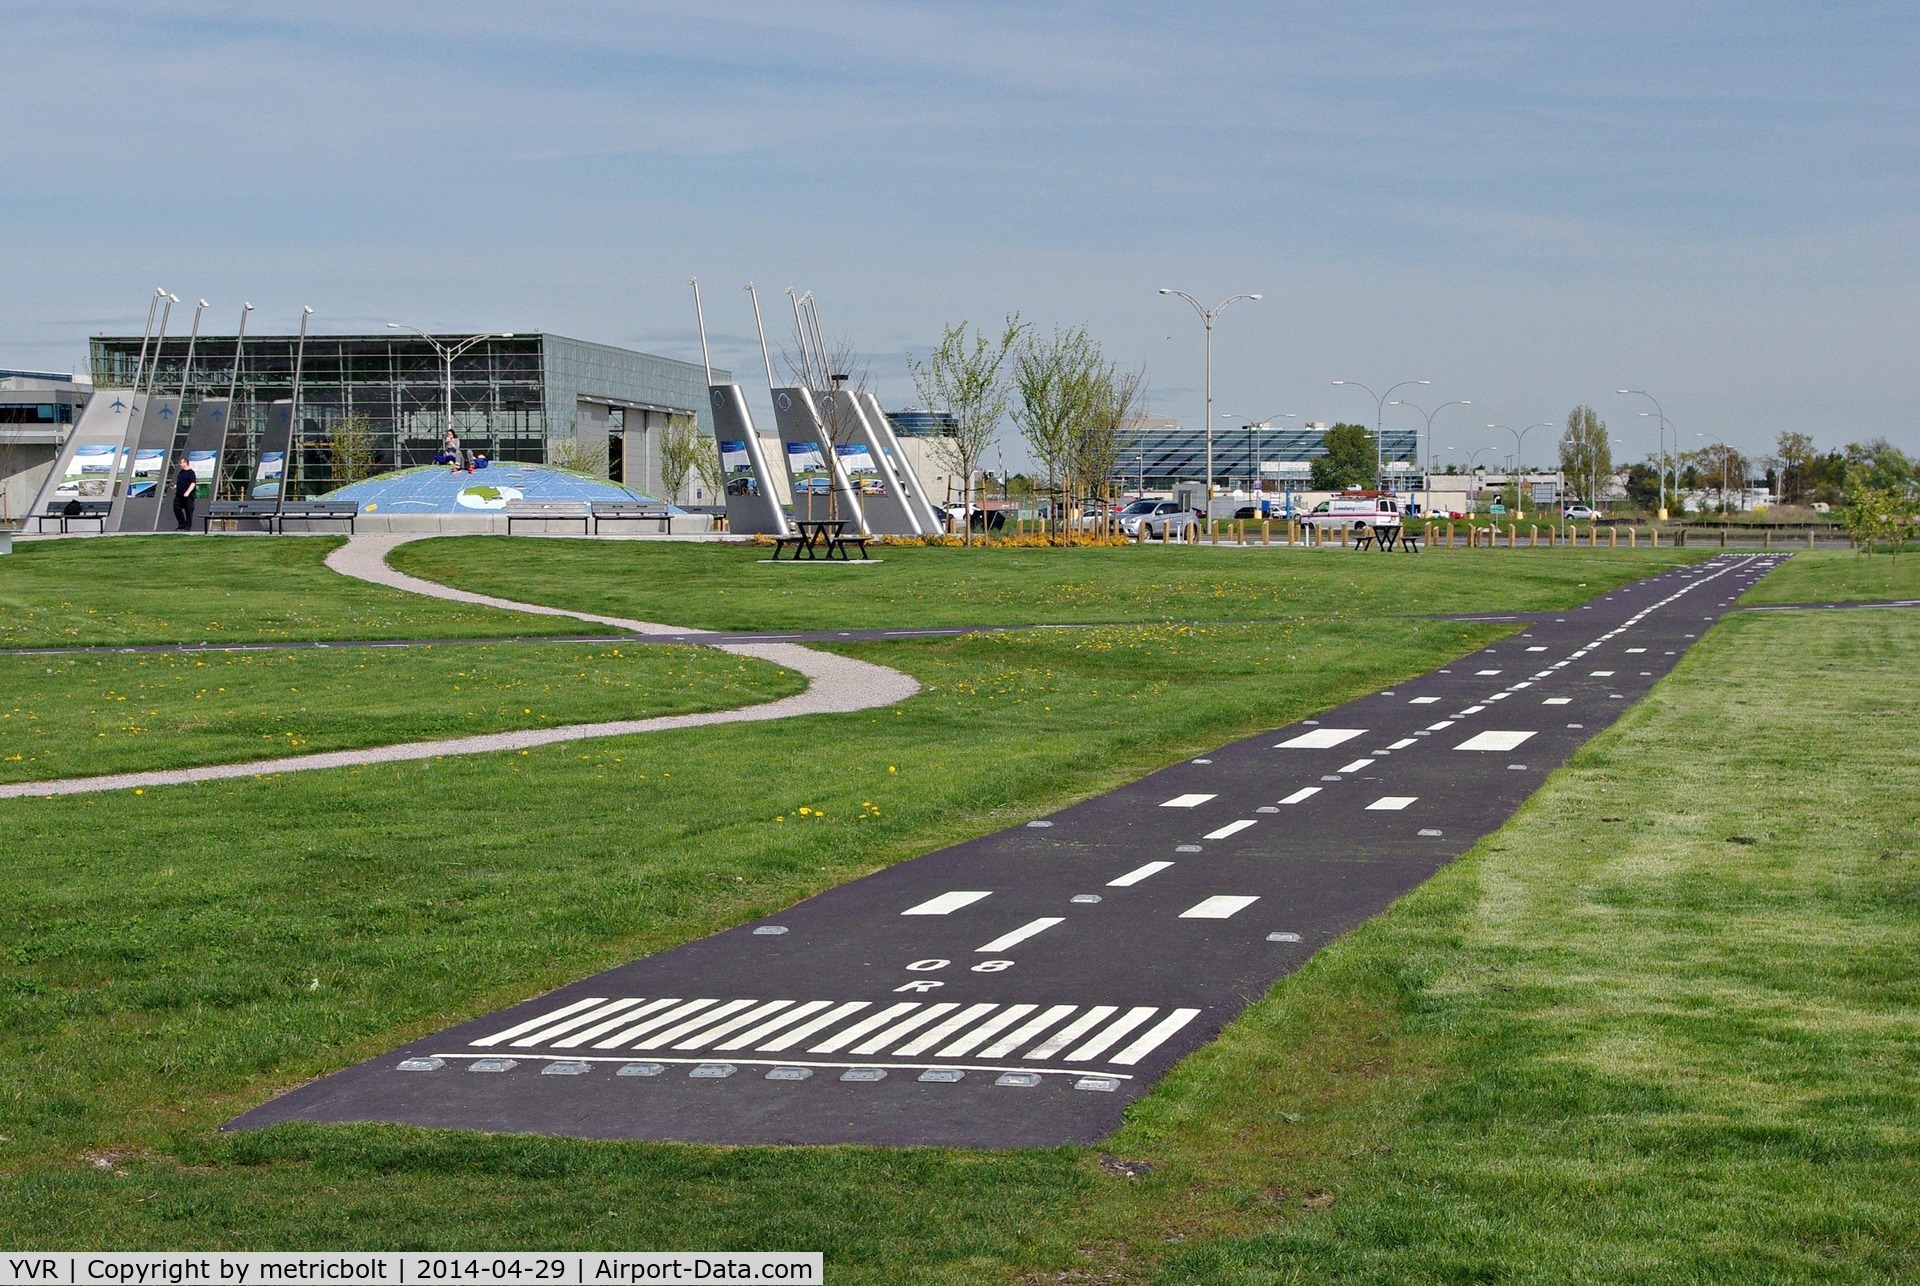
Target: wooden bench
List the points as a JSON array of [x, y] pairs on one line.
[[347, 511], [1409, 542], [548, 511], [66, 511], [260, 511], [631, 511]]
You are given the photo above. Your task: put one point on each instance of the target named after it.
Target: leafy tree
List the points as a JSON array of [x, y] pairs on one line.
[[1880, 464], [1056, 381], [1585, 455], [1876, 513], [1351, 458], [1792, 461], [965, 376], [351, 444], [1722, 470], [1643, 486], [575, 455], [682, 445], [1094, 451]]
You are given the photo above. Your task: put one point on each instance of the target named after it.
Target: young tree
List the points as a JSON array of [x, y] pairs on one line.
[[1585, 457], [1722, 470], [965, 376], [1793, 458], [1350, 458], [1876, 513], [681, 446], [1094, 452], [351, 444]]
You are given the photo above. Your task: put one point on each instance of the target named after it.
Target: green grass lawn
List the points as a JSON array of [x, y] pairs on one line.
[[1659, 1027], [66, 716], [717, 586], [194, 589], [1835, 576]]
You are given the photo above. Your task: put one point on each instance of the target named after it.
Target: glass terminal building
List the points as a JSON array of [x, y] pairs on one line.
[[514, 397], [1157, 453]]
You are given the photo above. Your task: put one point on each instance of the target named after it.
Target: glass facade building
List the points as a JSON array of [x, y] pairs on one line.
[[1159, 453], [513, 397]]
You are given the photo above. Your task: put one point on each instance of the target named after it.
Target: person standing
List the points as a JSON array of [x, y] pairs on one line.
[[185, 483]]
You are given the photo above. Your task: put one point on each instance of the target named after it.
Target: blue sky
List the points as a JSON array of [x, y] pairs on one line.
[[1528, 204]]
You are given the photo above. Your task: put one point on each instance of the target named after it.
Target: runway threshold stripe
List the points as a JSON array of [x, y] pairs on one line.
[[804, 1030], [904, 1028], [846, 1036], [1027, 1031], [1072, 1031], [951, 1027], [1231, 828], [1030, 929], [601, 1029], [986, 1030], [707, 1035], [1140, 873], [541, 1021], [656, 1022], [1111, 1036], [1154, 1037], [581, 1019], [656, 1039]]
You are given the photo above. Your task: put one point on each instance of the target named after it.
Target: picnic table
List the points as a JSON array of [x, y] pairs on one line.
[[820, 538], [1383, 538]]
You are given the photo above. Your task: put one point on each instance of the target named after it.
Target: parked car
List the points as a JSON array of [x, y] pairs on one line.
[[1580, 513], [1158, 520]]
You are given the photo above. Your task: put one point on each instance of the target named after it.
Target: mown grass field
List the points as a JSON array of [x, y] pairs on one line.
[[1833, 576], [1658, 1027], [196, 589], [733, 586], [67, 716]]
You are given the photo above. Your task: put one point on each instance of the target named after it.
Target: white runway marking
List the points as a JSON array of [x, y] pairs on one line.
[[1111, 1036], [1356, 766], [1636, 649], [1155, 1036], [1423, 701], [945, 1031], [679, 1030], [1486, 672], [673, 1015], [806, 1029], [1030, 929], [1231, 828], [946, 903], [1390, 803], [1601, 674], [707, 1035], [1557, 701], [994, 1025], [1402, 744], [1072, 1031], [1138, 874], [602, 1028], [1305, 792], [1473, 710], [1186, 801], [787, 1019], [1442, 726], [520, 1029], [1026, 1032], [1218, 908], [1493, 741], [1321, 739], [846, 1036]]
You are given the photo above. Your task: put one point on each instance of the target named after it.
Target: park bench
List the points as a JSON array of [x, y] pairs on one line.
[[631, 511], [548, 511], [237, 511], [66, 511], [347, 511]]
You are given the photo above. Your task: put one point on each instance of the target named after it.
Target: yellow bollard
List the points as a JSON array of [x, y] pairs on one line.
[[1653, 537], [1613, 538], [1533, 536], [1513, 535], [1633, 538], [1266, 531]]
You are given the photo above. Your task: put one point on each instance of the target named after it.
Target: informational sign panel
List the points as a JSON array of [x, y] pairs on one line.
[[206, 444], [864, 464], [753, 508], [141, 494], [1544, 493], [90, 462], [820, 489], [276, 441]]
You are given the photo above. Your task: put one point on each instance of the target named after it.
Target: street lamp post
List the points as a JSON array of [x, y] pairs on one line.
[[1427, 504], [1519, 445], [1253, 457], [449, 351], [1673, 464], [1206, 319], [1379, 439]]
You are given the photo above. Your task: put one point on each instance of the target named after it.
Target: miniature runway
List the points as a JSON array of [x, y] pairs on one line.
[[1022, 988]]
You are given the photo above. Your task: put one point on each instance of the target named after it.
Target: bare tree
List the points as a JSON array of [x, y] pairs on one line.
[[1585, 456], [1057, 382], [574, 455], [1119, 397], [965, 376]]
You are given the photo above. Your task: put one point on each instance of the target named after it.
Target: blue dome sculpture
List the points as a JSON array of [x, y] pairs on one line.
[[434, 489]]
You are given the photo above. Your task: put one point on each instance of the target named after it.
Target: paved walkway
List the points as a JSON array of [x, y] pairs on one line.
[[1020, 989], [835, 685]]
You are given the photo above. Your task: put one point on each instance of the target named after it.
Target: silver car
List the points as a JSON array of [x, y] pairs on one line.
[[1158, 520]]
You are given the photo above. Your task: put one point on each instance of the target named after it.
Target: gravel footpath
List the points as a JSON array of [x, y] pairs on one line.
[[835, 685]]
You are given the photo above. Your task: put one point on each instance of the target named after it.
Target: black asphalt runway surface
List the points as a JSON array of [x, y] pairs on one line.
[[1022, 988]]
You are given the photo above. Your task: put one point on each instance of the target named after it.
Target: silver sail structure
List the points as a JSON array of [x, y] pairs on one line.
[[932, 522], [864, 461], [88, 466], [137, 508], [820, 488], [753, 506]]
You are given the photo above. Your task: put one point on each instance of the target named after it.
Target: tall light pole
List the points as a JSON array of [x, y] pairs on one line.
[[293, 416], [186, 367], [159, 293], [1674, 463], [1253, 457], [1379, 440], [1660, 469], [1519, 445], [159, 343], [1427, 504], [449, 351], [1206, 319]]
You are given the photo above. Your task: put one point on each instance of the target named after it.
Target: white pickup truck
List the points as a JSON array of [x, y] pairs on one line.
[[1356, 510]]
